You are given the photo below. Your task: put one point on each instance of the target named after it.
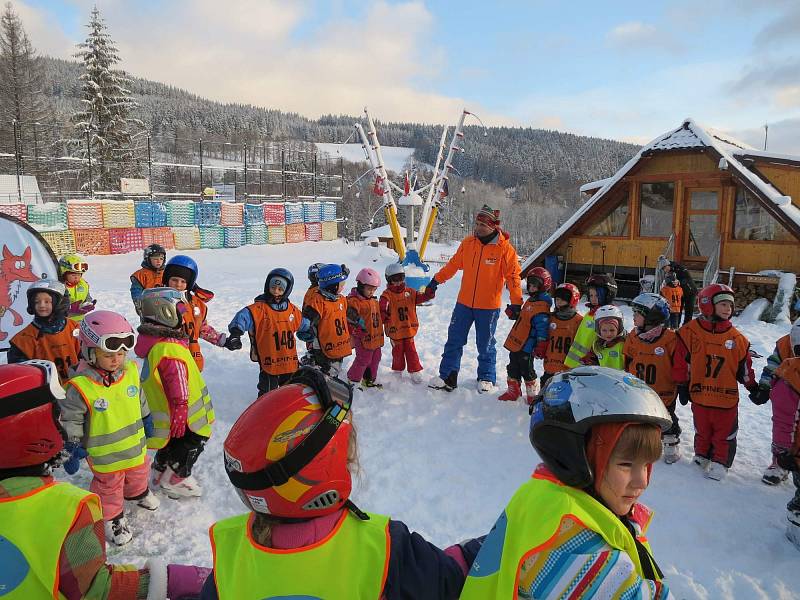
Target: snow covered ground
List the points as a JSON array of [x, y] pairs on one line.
[[397, 158], [446, 464]]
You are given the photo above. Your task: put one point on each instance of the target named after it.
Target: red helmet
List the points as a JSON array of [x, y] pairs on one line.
[[543, 275], [568, 293], [287, 454], [711, 295], [29, 413]]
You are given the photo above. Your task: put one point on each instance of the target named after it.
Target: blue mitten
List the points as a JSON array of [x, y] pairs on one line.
[[149, 428], [76, 453]]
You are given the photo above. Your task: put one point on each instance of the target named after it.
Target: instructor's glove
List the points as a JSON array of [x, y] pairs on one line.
[[76, 453], [760, 395], [540, 351], [234, 342], [512, 311], [177, 423], [683, 394], [432, 285], [149, 428]]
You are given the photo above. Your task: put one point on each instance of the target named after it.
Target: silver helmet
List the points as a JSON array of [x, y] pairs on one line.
[[163, 306], [55, 289]]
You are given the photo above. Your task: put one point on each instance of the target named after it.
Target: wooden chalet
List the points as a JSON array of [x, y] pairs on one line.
[[693, 194]]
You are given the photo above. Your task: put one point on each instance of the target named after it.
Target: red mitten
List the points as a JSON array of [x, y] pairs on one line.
[[177, 424], [540, 351]]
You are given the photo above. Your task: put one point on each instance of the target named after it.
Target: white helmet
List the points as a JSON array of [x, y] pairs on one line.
[[794, 334], [394, 269], [609, 311]]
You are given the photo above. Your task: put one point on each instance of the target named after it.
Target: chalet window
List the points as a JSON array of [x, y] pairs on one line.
[[615, 224], [658, 200], [752, 222]]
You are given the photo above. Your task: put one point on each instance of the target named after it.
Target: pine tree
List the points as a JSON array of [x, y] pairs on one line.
[[21, 89], [105, 115]]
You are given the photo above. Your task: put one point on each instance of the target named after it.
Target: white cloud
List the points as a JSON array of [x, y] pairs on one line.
[[639, 35], [45, 32]]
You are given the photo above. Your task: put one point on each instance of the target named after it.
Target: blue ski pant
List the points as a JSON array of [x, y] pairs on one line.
[[485, 320]]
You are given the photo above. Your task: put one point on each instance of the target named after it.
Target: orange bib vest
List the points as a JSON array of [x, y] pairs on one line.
[[652, 363], [148, 278], [785, 349], [402, 322], [713, 364], [562, 332], [522, 326], [193, 321], [674, 297], [332, 333], [61, 348], [789, 371], [369, 310], [273, 337]]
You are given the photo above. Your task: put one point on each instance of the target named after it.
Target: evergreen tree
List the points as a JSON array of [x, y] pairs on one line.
[[21, 89], [105, 115]]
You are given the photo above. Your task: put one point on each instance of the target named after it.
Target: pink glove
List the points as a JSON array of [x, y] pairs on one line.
[[177, 424], [185, 581], [78, 308], [540, 351]]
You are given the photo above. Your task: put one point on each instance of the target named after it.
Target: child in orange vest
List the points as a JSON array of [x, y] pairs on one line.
[[649, 351], [326, 310], [786, 388], [710, 358], [528, 337], [366, 328], [271, 321], [149, 275], [399, 312], [564, 323], [51, 335], [180, 274], [673, 292]]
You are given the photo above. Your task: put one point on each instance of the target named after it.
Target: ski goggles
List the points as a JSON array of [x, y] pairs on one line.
[[114, 342], [177, 297], [74, 267]]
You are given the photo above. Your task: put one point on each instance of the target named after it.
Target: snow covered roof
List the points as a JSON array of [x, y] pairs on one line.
[[593, 185], [384, 232], [688, 136]]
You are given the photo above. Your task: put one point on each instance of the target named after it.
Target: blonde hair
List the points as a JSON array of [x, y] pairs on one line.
[[263, 523], [640, 441]]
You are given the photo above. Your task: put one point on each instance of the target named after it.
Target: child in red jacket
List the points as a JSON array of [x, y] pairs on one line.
[[366, 328], [786, 388], [399, 313], [710, 358]]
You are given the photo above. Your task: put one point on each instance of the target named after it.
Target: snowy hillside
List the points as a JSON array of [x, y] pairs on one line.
[[447, 464], [396, 158]]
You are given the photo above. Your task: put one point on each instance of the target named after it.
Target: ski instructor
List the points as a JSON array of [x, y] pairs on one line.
[[487, 259]]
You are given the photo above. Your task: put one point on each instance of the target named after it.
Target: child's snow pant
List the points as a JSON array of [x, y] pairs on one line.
[[404, 353], [181, 453], [784, 402], [267, 382], [715, 433], [520, 366], [115, 488], [366, 360], [485, 320]]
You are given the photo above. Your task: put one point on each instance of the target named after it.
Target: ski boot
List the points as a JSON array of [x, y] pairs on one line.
[[485, 387], [180, 487], [513, 392], [118, 531], [147, 500], [716, 471], [701, 461], [774, 474], [448, 384], [532, 389], [793, 527], [369, 383], [416, 377], [672, 448]]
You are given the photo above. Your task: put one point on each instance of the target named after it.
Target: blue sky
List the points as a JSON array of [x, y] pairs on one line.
[[620, 69]]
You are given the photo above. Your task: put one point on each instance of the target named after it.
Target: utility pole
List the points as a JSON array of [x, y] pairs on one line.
[[89, 155], [766, 134]]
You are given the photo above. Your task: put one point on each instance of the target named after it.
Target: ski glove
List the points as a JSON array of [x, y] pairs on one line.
[[512, 311], [760, 395], [177, 424], [81, 308], [75, 453], [683, 394], [307, 336], [234, 342], [540, 351], [432, 285], [149, 428]]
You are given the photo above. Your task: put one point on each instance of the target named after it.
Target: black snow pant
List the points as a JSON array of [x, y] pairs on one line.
[[181, 453], [267, 382], [688, 307], [675, 428], [520, 366]]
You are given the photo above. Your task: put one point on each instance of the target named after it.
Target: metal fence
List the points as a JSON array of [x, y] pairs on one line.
[[254, 169]]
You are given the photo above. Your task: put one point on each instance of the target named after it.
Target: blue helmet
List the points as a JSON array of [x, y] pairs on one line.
[[283, 273], [330, 275], [181, 266]]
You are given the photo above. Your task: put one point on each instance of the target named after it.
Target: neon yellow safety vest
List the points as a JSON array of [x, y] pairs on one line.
[[529, 524], [350, 563], [611, 357], [584, 338], [33, 528], [116, 440], [78, 293], [201, 412]]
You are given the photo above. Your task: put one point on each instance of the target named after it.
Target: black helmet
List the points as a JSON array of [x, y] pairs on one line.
[[605, 282], [154, 250], [313, 271], [573, 402], [283, 274]]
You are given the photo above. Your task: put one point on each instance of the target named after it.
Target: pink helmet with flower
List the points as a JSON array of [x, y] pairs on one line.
[[106, 330]]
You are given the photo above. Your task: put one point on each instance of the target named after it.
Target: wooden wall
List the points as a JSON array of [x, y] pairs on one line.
[[785, 178]]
